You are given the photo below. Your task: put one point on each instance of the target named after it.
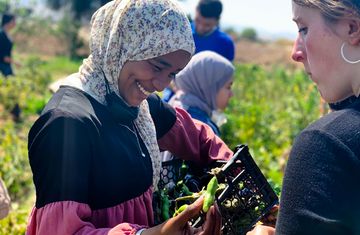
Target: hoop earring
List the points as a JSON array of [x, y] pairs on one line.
[[346, 59]]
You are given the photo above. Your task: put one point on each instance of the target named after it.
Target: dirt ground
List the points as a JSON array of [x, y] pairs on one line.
[[265, 53]]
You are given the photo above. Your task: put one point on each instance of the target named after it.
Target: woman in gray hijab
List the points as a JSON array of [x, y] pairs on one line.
[[204, 88]]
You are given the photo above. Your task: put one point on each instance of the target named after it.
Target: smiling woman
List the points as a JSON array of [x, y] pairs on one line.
[[138, 79], [94, 151]]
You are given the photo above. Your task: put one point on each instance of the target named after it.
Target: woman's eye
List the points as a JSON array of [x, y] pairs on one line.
[[303, 30], [154, 66], [157, 68]]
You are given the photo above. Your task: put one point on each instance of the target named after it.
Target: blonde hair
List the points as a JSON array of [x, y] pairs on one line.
[[334, 10]]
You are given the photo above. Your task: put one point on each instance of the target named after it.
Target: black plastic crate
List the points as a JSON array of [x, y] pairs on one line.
[[248, 195], [245, 199]]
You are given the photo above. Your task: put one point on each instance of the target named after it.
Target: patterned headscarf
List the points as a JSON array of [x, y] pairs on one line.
[[201, 79], [132, 30]]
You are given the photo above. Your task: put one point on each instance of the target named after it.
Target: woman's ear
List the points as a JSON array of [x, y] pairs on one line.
[[354, 32]]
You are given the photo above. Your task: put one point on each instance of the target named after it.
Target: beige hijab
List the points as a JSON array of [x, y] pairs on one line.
[[132, 30]]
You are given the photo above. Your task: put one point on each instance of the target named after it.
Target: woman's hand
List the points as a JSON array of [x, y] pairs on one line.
[[262, 230], [179, 225]]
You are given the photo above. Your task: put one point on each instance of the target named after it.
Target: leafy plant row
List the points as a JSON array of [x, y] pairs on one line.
[[268, 110]]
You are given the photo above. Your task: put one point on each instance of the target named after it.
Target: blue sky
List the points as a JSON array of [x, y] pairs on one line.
[[271, 18]]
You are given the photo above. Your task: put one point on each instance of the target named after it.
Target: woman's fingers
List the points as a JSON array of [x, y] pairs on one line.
[[212, 225], [217, 218], [209, 224], [190, 212]]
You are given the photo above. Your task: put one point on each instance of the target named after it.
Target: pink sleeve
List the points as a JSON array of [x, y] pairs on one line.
[[193, 140], [70, 217]]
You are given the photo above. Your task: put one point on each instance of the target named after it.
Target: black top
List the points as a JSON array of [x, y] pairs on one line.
[[108, 168], [321, 190], [5, 46]]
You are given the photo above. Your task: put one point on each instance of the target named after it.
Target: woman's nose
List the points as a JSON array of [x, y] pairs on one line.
[[298, 52], [161, 81]]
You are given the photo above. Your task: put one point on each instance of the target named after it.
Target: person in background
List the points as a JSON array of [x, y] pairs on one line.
[[320, 190], [95, 149], [204, 88], [206, 31], [207, 35], [7, 24]]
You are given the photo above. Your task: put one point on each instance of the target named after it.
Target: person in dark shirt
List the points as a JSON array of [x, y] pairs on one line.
[[207, 35], [95, 149], [320, 192], [8, 22]]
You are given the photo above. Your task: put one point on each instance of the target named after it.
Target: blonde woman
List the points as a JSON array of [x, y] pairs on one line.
[[320, 191]]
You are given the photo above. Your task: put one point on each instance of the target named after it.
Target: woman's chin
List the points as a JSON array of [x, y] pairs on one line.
[[136, 101], [329, 98]]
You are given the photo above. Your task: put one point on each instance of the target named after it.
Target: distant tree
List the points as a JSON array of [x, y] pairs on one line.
[[78, 8], [71, 23], [4, 6], [232, 32], [14, 7], [249, 34], [74, 11]]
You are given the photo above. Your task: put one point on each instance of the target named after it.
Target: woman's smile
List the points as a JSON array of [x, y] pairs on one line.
[[142, 89], [138, 79]]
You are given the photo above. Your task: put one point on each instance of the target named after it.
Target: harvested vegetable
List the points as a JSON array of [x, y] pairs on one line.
[[181, 209], [209, 195]]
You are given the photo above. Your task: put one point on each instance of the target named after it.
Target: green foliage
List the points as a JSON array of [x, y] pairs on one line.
[[15, 222], [33, 26], [60, 66], [26, 89], [14, 6], [29, 89], [268, 110], [78, 7], [4, 5], [249, 34], [68, 29]]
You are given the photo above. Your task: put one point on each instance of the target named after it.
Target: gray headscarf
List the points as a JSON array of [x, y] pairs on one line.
[[202, 78], [132, 30]]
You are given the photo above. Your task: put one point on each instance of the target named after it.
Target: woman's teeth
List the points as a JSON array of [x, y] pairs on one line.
[[142, 89]]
